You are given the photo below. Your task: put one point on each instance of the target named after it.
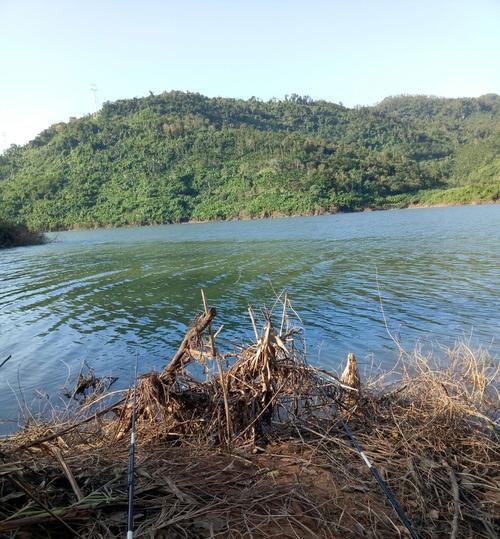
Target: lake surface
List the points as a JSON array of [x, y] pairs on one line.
[[108, 295]]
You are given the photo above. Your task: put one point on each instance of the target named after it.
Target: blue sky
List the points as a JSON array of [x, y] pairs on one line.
[[350, 51]]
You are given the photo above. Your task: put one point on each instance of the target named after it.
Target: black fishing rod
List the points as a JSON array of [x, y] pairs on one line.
[[131, 459], [383, 485]]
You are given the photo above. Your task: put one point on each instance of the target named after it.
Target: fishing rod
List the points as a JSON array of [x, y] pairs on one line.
[[383, 485], [131, 462]]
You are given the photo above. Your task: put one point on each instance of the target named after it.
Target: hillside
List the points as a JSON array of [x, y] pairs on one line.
[[181, 156]]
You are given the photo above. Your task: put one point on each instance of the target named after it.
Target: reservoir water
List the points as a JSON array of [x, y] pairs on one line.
[[105, 296]]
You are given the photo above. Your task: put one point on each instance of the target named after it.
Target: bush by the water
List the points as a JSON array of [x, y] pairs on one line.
[[14, 235]]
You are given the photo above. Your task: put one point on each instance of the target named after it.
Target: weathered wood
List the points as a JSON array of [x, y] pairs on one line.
[[210, 333], [352, 383], [198, 326], [456, 499], [223, 382], [69, 474], [350, 376]]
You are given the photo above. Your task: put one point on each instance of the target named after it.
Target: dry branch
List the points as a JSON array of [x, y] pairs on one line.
[[197, 327]]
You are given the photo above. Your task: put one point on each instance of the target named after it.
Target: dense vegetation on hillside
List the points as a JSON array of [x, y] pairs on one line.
[[179, 156]]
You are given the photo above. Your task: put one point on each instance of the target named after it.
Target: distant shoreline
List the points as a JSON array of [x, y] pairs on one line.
[[452, 204], [278, 215]]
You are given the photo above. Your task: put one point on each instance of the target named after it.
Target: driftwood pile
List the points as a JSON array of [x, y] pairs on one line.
[[253, 448]]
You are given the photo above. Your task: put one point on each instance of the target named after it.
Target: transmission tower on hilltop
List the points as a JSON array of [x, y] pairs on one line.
[[93, 89]]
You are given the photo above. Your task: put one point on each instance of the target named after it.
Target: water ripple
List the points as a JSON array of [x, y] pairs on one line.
[[106, 295]]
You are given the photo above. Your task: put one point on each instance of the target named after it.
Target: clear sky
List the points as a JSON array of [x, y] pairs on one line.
[[349, 51]]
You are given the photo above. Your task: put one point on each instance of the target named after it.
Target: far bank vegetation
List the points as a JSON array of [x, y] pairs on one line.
[[177, 157]]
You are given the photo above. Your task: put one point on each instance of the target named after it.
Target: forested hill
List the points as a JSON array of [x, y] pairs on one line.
[[179, 156]]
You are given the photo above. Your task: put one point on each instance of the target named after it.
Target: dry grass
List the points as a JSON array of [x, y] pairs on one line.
[[256, 450]]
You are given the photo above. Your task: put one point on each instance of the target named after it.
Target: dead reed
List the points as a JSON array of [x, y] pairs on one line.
[[256, 450]]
